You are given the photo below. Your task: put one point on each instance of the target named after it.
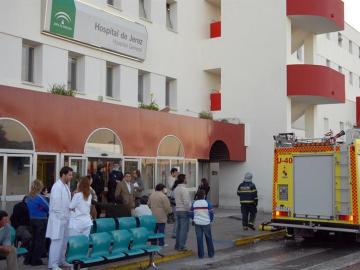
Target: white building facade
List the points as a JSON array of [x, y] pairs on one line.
[[178, 54]]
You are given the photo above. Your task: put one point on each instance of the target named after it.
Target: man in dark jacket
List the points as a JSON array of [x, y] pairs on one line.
[[21, 222], [115, 176], [248, 200], [98, 183]]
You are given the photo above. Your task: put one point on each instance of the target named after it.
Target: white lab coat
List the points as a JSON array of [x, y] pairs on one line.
[[59, 211], [80, 219]]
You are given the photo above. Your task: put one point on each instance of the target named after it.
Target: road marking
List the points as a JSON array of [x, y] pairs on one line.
[[338, 263], [271, 262]]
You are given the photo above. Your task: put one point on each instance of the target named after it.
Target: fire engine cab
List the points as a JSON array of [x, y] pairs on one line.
[[316, 184]]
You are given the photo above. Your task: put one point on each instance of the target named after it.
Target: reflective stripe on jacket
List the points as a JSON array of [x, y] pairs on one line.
[[247, 192]]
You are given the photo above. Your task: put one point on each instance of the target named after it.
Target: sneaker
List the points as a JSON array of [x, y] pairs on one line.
[[245, 228], [66, 265], [56, 268], [183, 249]]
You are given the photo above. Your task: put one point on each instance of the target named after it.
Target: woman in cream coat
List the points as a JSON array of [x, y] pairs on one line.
[[80, 219], [160, 207]]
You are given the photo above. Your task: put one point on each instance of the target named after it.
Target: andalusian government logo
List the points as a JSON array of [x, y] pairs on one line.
[[63, 15]]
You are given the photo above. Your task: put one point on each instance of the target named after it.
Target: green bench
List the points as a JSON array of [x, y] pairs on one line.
[[108, 247]]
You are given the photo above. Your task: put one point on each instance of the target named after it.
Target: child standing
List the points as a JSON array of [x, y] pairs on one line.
[[202, 215]]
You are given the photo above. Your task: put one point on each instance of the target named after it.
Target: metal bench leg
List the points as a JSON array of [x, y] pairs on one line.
[[151, 261]]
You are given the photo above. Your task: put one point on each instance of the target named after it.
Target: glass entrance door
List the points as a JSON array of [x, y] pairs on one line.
[[15, 178], [78, 164], [131, 165]]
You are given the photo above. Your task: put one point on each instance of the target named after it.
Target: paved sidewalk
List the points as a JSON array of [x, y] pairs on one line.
[[226, 228]]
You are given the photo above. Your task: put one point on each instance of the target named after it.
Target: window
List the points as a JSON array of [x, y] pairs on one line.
[[171, 14], [171, 93], [141, 88], [72, 73], [342, 126], [168, 18], [27, 71], [328, 63], [109, 81], [14, 135], [350, 77], [340, 69], [350, 47], [103, 142], [167, 94], [299, 54], [148, 172], [144, 9], [326, 125], [190, 172], [340, 39], [171, 146]]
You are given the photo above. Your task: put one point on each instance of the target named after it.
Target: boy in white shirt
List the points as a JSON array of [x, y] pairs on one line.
[[143, 209], [202, 214]]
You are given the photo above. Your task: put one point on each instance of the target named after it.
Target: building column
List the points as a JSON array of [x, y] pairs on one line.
[[312, 123], [309, 49]]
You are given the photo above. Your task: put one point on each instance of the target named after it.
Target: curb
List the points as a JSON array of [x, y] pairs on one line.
[[252, 239], [144, 263], [180, 255]]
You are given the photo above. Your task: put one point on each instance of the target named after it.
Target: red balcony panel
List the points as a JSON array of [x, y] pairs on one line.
[[62, 124], [317, 16], [215, 29], [315, 84], [215, 101]]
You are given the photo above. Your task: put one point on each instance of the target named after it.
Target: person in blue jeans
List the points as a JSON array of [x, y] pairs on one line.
[[202, 214], [183, 204]]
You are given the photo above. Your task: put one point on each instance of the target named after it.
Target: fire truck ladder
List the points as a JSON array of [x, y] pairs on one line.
[[342, 180]]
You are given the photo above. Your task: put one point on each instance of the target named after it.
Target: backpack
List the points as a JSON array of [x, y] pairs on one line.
[[20, 215]]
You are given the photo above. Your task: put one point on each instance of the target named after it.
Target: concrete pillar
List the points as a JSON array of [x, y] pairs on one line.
[[311, 122], [10, 55], [158, 11], [55, 66], [309, 49], [130, 7], [154, 85], [129, 86], [95, 77]]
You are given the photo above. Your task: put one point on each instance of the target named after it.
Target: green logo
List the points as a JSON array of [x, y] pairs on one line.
[[63, 18]]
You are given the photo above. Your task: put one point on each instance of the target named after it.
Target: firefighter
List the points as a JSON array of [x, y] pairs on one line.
[[248, 200]]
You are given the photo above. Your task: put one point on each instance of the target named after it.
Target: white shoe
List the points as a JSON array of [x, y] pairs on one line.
[[66, 265], [56, 268]]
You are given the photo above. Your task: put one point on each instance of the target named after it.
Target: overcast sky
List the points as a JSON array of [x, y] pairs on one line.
[[352, 13]]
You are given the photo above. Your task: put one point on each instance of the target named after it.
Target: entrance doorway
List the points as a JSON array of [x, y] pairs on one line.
[[46, 170]]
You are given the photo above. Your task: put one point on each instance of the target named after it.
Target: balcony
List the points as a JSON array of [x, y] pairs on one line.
[[215, 29], [317, 16], [215, 101], [313, 84]]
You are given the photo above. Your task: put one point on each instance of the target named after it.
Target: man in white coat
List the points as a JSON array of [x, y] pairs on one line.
[[58, 223]]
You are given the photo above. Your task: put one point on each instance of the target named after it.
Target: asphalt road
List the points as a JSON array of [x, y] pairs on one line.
[[330, 254]]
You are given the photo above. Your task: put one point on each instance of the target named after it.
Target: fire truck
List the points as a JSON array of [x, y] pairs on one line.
[[316, 184]]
